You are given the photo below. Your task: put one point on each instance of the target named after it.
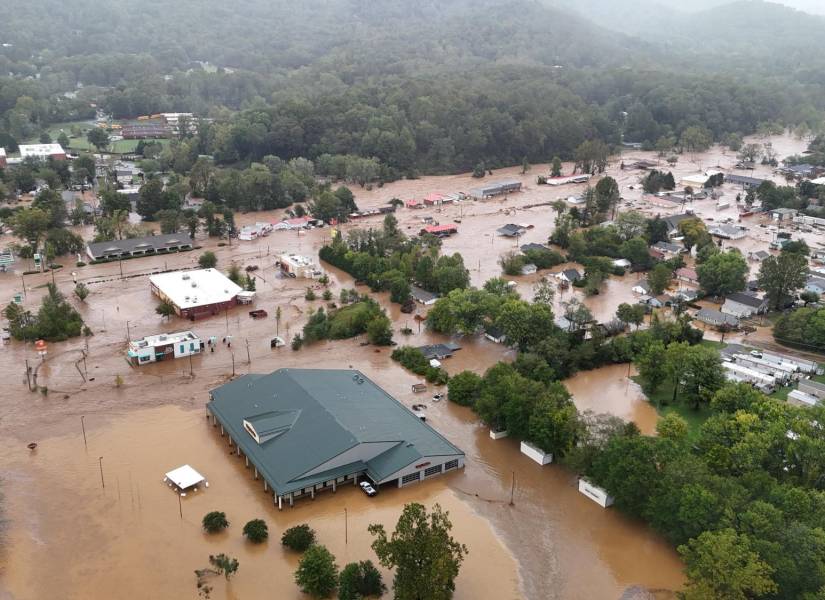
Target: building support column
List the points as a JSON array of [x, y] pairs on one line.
[[256, 473], [265, 486], [312, 492], [333, 486], [291, 500], [238, 449], [246, 458], [221, 430], [280, 503]]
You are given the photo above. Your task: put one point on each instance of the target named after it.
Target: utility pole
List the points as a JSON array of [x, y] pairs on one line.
[[83, 428], [190, 366], [180, 507], [248, 359], [128, 335], [233, 364], [100, 462], [28, 377], [512, 489], [53, 281], [23, 278], [120, 264], [346, 527]]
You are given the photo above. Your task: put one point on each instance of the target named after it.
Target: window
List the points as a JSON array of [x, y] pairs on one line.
[[191, 346], [410, 478], [182, 348], [451, 464], [144, 358], [432, 471]]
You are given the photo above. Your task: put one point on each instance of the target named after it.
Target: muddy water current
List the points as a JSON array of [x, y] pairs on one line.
[[68, 537]]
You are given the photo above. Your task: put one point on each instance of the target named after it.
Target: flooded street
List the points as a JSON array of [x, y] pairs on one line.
[[67, 537]]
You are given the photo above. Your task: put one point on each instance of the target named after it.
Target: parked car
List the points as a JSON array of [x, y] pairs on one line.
[[367, 488], [438, 397], [756, 354]]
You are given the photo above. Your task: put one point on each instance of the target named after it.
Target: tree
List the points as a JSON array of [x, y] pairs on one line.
[[723, 273], [379, 331], [396, 202], [672, 427], [30, 224], [81, 291], [607, 195], [224, 564], [55, 321], [360, 580], [298, 538], [555, 170], [317, 573], [215, 521], [98, 138], [554, 424], [659, 278], [695, 139], [423, 553], [464, 388], [165, 309], [780, 277], [208, 260], [652, 366], [256, 531], [722, 565], [632, 314]]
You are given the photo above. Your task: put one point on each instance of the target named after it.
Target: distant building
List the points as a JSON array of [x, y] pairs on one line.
[[145, 132], [569, 275], [815, 285], [298, 266], [812, 388], [569, 179], [152, 244], [759, 255], [439, 230], [310, 430], [667, 250], [641, 287], [511, 230], [695, 181], [496, 189], [743, 306], [687, 275], [746, 182], [164, 346], [195, 294], [529, 269], [783, 214], [422, 296], [673, 222], [727, 231], [42, 151], [717, 318], [533, 247]]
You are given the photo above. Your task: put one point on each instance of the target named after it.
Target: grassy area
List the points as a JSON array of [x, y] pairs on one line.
[[661, 401], [713, 344], [782, 393], [81, 144]]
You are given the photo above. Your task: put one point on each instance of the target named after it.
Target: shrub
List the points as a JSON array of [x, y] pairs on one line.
[[207, 260], [256, 531], [298, 538], [297, 342], [310, 295], [215, 521]]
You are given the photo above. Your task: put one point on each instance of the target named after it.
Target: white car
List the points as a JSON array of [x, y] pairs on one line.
[[367, 488]]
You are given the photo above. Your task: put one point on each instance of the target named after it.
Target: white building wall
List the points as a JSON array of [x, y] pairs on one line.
[[432, 460], [536, 454], [595, 493]]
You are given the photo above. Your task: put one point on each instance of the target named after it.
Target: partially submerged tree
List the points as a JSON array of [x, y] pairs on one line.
[[317, 573], [215, 521], [424, 555]]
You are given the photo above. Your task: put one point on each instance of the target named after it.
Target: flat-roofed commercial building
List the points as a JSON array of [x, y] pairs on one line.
[[308, 430], [196, 294]]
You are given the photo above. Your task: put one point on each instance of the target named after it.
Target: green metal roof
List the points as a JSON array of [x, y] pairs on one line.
[[307, 417]]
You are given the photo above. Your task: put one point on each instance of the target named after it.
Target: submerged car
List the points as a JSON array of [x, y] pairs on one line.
[[367, 488]]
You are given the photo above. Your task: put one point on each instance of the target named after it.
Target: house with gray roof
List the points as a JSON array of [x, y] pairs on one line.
[[511, 230], [152, 244], [743, 306], [716, 318], [308, 430], [816, 285], [744, 181], [569, 275]]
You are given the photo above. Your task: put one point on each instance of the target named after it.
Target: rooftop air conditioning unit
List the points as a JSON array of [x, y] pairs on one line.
[[185, 276], [194, 284]]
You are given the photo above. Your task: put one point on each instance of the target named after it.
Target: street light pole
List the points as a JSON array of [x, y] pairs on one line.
[[83, 427], [100, 462]]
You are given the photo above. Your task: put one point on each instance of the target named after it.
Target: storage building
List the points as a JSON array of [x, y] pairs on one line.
[[196, 294], [164, 346]]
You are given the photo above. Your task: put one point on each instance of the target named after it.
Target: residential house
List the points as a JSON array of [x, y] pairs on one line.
[[511, 230], [569, 275], [815, 285], [783, 214], [727, 231], [422, 296], [529, 269], [494, 334], [641, 287], [673, 222], [665, 250], [717, 318], [759, 255], [744, 306], [746, 182], [496, 189], [439, 351], [533, 246], [687, 275]]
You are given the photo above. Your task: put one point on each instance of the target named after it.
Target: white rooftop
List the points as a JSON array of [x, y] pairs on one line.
[[2, 151], [40, 150], [188, 289], [185, 477], [297, 260], [163, 339], [819, 181]]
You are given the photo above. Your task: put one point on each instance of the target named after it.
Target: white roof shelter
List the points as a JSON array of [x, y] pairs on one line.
[[185, 477]]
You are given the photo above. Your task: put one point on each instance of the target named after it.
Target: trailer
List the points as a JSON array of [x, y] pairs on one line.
[[258, 314]]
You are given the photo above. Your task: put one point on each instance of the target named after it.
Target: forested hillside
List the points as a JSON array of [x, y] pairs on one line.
[[422, 87]]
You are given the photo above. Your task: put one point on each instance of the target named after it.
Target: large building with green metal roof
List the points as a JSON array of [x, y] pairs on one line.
[[308, 430]]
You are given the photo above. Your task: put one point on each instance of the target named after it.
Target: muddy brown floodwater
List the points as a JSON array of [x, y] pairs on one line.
[[66, 537]]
